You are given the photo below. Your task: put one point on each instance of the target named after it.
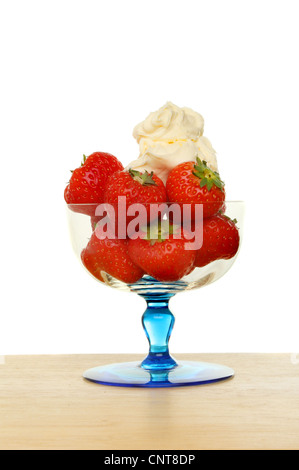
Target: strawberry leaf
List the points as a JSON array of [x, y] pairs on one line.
[[207, 176], [145, 178], [217, 183], [160, 232], [209, 185], [203, 182]]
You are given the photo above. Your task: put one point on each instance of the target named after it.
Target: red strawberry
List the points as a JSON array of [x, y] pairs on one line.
[[220, 240], [195, 183], [135, 188], [110, 256], [88, 182], [162, 256]]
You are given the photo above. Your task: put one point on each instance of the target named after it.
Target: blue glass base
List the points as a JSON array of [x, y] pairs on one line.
[[132, 374]]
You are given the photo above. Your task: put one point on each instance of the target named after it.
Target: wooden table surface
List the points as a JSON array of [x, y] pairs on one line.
[[46, 404]]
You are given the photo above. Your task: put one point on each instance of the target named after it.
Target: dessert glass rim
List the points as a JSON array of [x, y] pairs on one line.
[[232, 201]]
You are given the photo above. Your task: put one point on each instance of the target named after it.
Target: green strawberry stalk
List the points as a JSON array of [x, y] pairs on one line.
[[145, 178], [161, 231], [207, 176]]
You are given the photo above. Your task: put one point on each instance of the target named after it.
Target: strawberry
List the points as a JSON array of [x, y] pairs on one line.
[[135, 188], [220, 240], [88, 182], [195, 183], [161, 255], [110, 256]]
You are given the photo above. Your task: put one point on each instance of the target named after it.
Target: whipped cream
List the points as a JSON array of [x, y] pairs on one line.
[[169, 124], [171, 136]]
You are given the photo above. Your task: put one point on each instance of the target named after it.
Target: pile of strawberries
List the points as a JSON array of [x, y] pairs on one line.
[[101, 178]]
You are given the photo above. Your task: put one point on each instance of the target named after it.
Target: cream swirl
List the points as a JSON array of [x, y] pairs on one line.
[[161, 157], [171, 136], [169, 124]]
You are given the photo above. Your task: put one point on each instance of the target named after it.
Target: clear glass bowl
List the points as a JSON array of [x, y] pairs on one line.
[[159, 368]]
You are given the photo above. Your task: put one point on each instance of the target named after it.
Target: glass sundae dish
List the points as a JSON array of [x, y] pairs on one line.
[[159, 368], [159, 227]]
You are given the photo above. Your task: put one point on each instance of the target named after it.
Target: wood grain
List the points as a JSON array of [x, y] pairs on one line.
[[45, 404]]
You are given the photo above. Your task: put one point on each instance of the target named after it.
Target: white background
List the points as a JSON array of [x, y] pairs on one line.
[[76, 76]]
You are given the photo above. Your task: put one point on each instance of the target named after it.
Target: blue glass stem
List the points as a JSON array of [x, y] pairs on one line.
[[158, 323]]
